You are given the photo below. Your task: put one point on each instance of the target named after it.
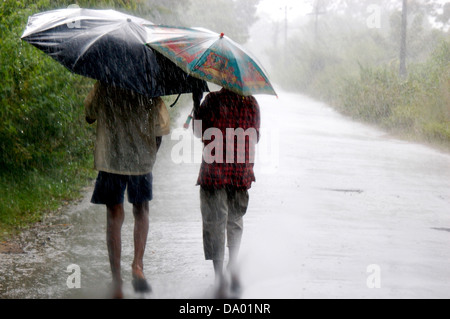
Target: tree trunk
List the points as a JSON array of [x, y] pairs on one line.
[[403, 39]]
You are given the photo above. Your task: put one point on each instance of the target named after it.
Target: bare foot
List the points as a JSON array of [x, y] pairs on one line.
[[137, 271], [117, 292], [139, 282]]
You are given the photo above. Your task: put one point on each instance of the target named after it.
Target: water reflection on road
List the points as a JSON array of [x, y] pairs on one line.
[[332, 198]]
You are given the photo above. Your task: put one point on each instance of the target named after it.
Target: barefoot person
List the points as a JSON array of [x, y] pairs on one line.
[[125, 152], [229, 127]]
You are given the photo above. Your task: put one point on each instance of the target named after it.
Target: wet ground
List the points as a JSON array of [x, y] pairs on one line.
[[339, 210]]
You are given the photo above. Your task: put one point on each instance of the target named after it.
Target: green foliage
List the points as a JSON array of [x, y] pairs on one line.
[[41, 112], [370, 97], [45, 144], [27, 196], [418, 106]]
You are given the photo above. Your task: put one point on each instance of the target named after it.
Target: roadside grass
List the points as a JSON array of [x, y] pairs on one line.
[[26, 197]]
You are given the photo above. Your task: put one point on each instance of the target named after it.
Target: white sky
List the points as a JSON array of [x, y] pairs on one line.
[[296, 8], [276, 8]]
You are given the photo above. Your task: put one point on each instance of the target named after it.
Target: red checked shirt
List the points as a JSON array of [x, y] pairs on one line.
[[230, 130]]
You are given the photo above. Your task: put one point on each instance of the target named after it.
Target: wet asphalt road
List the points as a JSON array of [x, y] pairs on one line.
[[339, 210]]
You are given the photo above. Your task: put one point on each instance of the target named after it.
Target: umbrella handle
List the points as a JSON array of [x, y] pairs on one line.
[[188, 120], [178, 97]]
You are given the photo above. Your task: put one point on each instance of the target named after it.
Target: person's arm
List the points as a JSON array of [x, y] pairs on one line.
[[257, 119], [158, 142], [90, 104], [162, 120], [199, 115], [162, 123], [197, 96]]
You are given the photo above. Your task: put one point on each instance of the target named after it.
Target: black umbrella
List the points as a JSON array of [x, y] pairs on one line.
[[108, 46]]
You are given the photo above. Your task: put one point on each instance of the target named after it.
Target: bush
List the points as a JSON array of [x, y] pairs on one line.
[[355, 69], [41, 112], [418, 106], [372, 96]]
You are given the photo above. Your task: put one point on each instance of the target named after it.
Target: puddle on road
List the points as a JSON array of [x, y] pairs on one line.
[[441, 229]]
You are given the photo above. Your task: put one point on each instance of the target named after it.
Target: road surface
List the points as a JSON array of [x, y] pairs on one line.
[[339, 210]]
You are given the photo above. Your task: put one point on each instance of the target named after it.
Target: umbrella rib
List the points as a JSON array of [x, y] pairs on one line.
[[92, 42], [218, 82], [192, 51], [185, 67], [203, 54], [105, 50], [255, 63], [241, 51], [86, 48]]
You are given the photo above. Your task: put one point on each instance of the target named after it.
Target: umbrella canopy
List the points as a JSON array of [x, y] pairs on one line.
[[108, 46], [211, 57]]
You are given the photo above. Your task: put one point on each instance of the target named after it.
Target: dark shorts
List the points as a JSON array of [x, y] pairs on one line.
[[110, 189]]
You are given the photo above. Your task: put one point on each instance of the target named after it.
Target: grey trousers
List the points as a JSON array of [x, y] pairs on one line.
[[222, 214]]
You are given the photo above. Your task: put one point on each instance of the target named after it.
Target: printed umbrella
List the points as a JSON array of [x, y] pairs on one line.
[[211, 57], [109, 46]]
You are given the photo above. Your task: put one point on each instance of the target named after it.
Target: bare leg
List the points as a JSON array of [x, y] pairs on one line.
[[232, 268], [141, 227], [235, 230], [115, 218], [221, 284], [233, 252], [218, 270]]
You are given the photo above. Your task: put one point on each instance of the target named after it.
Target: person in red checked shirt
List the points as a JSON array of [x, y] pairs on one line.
[[229, 126]]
